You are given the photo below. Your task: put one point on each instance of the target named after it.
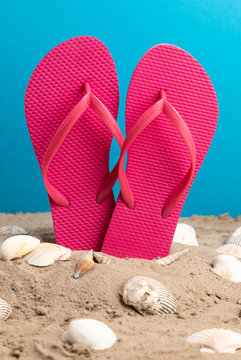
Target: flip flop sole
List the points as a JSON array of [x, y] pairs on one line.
[[158, 159], [82, 162]]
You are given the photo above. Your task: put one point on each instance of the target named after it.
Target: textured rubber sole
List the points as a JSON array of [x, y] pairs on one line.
[[158, 159], [81, 164]]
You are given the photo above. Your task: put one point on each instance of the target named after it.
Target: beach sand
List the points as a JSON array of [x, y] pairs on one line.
[[44, 300]]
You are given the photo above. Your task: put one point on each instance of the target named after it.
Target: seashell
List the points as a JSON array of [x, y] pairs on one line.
[[217, 340], [228, 267], [147, 295], [100, 259], [84, 265], [186, 235], [5, 310], [12, 230], [171, 258], [18, 246], [230, 249], [88, 332], [235, 237], [47, 254]]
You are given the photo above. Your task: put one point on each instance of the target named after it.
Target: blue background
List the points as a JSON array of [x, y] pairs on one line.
[[209, 30]]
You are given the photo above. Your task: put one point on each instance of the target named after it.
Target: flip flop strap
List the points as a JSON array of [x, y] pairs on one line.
[[161, 106], [89, 100]]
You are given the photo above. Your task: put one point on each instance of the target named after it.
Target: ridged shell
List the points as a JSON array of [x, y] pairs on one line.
[[5, 310], [171, 258], [99, 258], [147, 295], [217, 340], [88, 332], [46, 254], [186, 235], [228, 267], [84, 265], [230, 249], [235, 237], [12, 230], [18, 246]]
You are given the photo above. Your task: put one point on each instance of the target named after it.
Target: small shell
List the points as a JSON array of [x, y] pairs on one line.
[[100, 259], [186, 235], [235, 237], [228, 267], [88, 332], [171, 258], [217, 340], [147, 295], [12, 230], [46, 254], [5, 310], [230, 249], [84, 265], [18, 246]]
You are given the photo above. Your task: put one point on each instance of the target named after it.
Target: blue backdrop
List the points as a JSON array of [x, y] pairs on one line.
[[209, 30]]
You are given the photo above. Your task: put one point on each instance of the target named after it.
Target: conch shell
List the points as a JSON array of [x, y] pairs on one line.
[[99, 258], [84, 265], [171, 258]]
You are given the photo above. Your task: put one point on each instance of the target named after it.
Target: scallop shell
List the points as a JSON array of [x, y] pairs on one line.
[[12, 230], [186, 235], [46, 254], [147, 295], [100, 259], [88, 332], [84, 265], [235, 237], [230, 249], [228, 267], [171, 258], [217, 340], [5, 310], [18, 246]]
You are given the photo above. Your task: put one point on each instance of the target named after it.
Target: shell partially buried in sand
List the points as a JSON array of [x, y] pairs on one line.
[[99, 258], [88, 332], [148, 295], [228, 267], [84, 265], [12, 230], [217, 340], [186, 235], [230, 249], [235, 237], [171, 258], [47, 254], [17, 246], [5, 310]]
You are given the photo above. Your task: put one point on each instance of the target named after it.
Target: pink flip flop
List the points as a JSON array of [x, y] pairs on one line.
[[171, 117], [71, 106]]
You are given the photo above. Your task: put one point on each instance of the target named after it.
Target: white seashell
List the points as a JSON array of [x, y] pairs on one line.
[[186, 235], [228, 267], [217, 340], [5, 310], [235, 237], [12, 230], [89, 332], [171, 258], [46, 254], [18, 246], [230, 249], [147, 295]]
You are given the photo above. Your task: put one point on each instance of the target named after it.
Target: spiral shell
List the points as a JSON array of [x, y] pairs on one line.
[[99, 258], [230, 249], [216, 340], [88, 332], [186, 235], [171, 258], [147, 295], [84, 265], [235, 237], [5, 310], [47, 254], [228, 267], [18, 246]]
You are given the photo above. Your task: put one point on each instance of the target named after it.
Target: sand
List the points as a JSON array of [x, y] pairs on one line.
[[44, 300]]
